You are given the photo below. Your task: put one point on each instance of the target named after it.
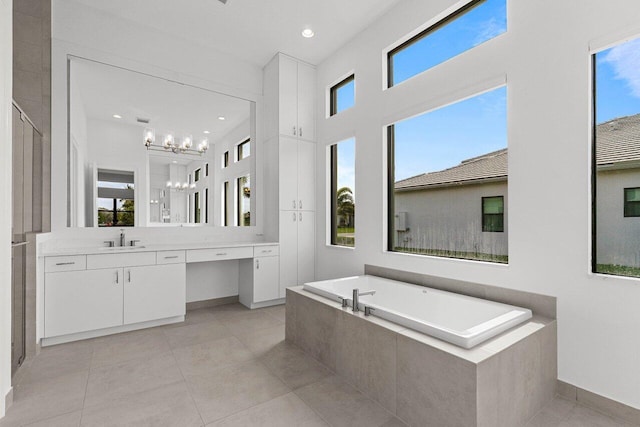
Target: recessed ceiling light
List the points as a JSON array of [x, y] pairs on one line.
[[221, 118], [207, 132], [308, 33], [117, 116], [174, 162]]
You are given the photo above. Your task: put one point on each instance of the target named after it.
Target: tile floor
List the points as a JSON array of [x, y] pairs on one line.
[[224, 366]]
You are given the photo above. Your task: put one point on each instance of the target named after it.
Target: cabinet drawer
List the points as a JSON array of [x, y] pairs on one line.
[[204, 255], [65, 263], [120, 260], [170, 257], [271, 250]]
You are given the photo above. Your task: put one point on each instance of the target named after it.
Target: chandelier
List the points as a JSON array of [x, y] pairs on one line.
[[169, 143]]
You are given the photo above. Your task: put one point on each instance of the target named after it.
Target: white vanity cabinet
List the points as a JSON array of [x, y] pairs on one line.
[[77, 301], [85, 293], [260, 278]]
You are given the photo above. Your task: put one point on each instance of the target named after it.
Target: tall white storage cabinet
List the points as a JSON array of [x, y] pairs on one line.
[[289, 88]]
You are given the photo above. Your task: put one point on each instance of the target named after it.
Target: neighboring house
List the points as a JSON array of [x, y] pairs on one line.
[[464, 208]]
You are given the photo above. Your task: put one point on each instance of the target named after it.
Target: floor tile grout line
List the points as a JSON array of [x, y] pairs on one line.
[[86, 387], [186, 385]]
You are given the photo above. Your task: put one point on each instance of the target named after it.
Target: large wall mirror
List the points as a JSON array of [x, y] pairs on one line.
[[145, 151]]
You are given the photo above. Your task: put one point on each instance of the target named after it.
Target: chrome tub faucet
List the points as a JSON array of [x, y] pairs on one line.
[[356, 298]]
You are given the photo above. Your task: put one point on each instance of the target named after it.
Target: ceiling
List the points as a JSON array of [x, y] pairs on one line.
[[254, 30], [107, 90]]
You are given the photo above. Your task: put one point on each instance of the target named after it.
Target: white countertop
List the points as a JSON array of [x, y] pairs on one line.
[[147, 248]]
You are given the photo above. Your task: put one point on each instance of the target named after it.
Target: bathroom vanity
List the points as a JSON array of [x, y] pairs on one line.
[[100, 291]]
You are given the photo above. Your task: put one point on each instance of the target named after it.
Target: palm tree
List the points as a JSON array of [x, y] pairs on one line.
[[345, 206]]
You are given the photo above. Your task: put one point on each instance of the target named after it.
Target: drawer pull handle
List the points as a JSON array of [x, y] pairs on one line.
[[267, 252], [221, 254], [65, 263], [257, 264], [117, 277], [171, 257]]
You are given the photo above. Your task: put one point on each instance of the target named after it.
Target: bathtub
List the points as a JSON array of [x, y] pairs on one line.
[[458, 319]]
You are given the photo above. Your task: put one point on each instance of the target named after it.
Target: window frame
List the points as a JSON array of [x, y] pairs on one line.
[[240, 150], [484, 224], [225, 159], [424, 33], [333, 93], [626, 212]]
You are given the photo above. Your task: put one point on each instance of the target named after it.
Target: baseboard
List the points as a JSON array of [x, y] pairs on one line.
[[196, 305], [598, 403], [8, 401]]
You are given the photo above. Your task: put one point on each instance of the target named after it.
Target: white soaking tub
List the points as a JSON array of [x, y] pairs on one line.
[[458, 319]]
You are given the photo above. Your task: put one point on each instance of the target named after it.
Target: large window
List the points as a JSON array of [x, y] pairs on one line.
[[342, 195], [244, 201], [342, 95], [475, 23], [446, 168], [616, 160], [116, 200]]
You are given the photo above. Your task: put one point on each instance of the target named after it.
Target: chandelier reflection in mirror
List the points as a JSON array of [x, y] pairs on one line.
[[169, 143]]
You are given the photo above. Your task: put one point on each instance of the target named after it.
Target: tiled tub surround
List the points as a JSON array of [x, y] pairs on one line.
[[458, 319], [422, 380]]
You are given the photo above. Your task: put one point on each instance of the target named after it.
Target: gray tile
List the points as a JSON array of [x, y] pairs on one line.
[[290, 316], [26, 28], [293, 366], [201, 359], [277, 311], [120, 348], [116, 381], [585, 417], [287, 410], [366, 357], [30, 7], [194, 317], [608, 406], [196, 333], [67, 420], [59, 360], [27, 56], [342, 405], [164, 406], [242, 321], [28, 85], [434, 387], [263, 340], [316, 330], [228, 390], [568, 391], [37, 401]]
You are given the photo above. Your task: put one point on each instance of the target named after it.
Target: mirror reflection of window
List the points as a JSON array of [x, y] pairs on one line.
[[244, 201], [225, 159], [244, 150], [116, 198], [225, 204]]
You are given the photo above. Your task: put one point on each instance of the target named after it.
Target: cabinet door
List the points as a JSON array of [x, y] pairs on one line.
[[78, 301], [306, 247], [306, 102], [288, 250], [266, 279], [288, 174], [306, 176], [154, 292], [288, 82]]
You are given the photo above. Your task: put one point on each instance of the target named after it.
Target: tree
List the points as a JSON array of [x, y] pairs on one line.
[[345, 206]]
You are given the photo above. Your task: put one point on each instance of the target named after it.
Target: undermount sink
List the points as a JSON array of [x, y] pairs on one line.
[[121, 248]]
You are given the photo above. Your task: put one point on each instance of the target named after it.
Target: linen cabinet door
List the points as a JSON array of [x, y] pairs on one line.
[[288, 251], [80, 301], [154, 292], [288, 85], [306, 247], [288, 174], [306, 176], [306, 102]]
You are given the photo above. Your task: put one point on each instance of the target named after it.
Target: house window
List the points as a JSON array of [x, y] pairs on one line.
[[493, 214], [438, 171], [244, 150], [225, 159], [469, 26], [116, 198], [631, 202], [342, 194], [342, 95], [244, 201], [615, 170]]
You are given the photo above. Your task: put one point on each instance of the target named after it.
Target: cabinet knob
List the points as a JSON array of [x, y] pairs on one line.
[[294, 204], [294, 217], [257, 264], [294, 130], [300, 216], [117, 277], [300, 130], [300, 204], [129, 276]]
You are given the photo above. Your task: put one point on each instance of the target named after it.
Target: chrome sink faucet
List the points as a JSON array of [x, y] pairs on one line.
[[356, 297], [122, 237]]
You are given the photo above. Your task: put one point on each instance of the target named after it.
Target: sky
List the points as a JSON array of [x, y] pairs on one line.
[[346, 164]]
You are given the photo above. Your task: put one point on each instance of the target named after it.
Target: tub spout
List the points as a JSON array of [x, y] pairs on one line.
[[356, 296]]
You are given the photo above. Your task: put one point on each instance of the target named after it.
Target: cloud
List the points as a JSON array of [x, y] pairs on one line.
[[490, 29], [625, 61], [346, 177]]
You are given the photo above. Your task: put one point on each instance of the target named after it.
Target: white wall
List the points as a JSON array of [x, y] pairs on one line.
[[450, 218], [86, 32], [6, 61], [545, 59]]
